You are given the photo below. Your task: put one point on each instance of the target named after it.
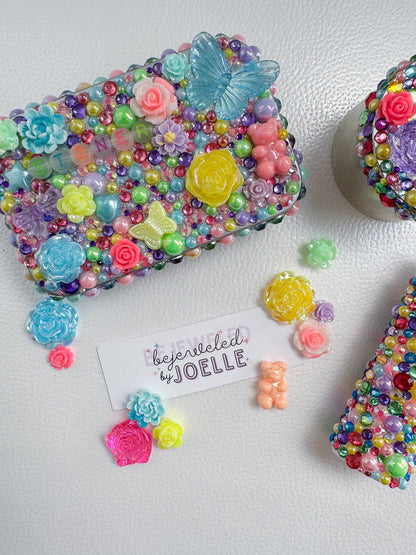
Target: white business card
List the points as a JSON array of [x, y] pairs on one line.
[[195, 357]]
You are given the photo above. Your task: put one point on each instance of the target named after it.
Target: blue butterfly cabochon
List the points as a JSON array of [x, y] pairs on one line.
[[214, 82]]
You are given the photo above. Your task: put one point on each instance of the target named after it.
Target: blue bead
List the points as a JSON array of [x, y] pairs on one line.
[[177, 216], [191, 242], [203, 229], [96, 93], [177, 184]]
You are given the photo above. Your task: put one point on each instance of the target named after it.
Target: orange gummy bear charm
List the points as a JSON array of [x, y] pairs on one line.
[[272, 385]]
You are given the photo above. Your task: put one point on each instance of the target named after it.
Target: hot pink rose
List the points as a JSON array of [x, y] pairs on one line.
[[129, 443], [154, 99], [61, 357], [312, 338], [125, 254], [397, 108]]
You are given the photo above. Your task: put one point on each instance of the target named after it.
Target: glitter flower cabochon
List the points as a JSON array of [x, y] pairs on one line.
[[379, 177], [147, 166]]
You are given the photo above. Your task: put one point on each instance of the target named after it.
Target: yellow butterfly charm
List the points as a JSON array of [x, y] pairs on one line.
[[154, 227]]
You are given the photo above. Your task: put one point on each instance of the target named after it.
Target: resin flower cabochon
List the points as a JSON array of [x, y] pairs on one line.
[[147, 166]]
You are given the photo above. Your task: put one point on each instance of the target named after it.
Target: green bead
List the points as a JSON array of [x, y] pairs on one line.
[[292, 188], [277, 220], [388, 352], [381, 458], [265, 94], [93, 254], [380, 188], [163, 186], [395, 408], [243, 148], [412, 372], [99, 129], [271, 209], [173, 243], [209, 246], [171, 161], [236, 202], [140, 194], [365, 387], [342, 451], [140, 74], [366, 419], [386, 166], [396, 465], [363, 117], [58, 181], [186, 103], [177, 205], [374, 401], [159, 265], [210, 210], [284, 120], [124, 117]]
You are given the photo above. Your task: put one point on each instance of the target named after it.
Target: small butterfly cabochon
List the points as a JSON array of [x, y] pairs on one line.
[[213, 81]]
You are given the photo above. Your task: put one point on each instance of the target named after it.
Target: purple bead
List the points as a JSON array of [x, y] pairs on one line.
[[384, 384], [25, 248], [256, 51], [108, 230], [149, 70], [121, 98], [121, 171], [245, 54], [235, 45], [185, 159], [142, 273], [19, 119], [253, 218], [196, 203], [194, 225], [404, 366], [70, 100], [381, 124], [158, 254], [72, 140], [70, 288], [384, 399], [298, 156], [189, 113], [248, 118], [400, 447], [394, 424], [15, 112], [367, 434], [154, 157], [249, 162], [412, 323], [406, 395], [79, 111], [196, 126], [157, 68], [166, 52], [264, 109], [278, 188], [170, 196], [342, 436], [242, 217], [370, 117], [367, 130]]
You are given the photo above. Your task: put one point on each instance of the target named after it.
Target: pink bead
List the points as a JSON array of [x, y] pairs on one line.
[[228, 240], [217, 230], [369, 462], [273, 199], [387, 449], [126, 280], [410, 409], [88, 280], [293, 210], [121, 224], [403, 65], [184, 46], [239, 37], [116, 72], [92, 292]]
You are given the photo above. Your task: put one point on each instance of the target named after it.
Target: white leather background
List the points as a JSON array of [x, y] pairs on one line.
[[245, 481]]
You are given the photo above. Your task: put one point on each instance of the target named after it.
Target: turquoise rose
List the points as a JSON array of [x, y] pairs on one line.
[[53, 323], [43, 130], [8, 136], [59, 260], [146, 408], [176, 67]]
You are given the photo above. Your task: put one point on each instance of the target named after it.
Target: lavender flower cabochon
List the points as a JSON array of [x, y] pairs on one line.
[[148, 166]]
